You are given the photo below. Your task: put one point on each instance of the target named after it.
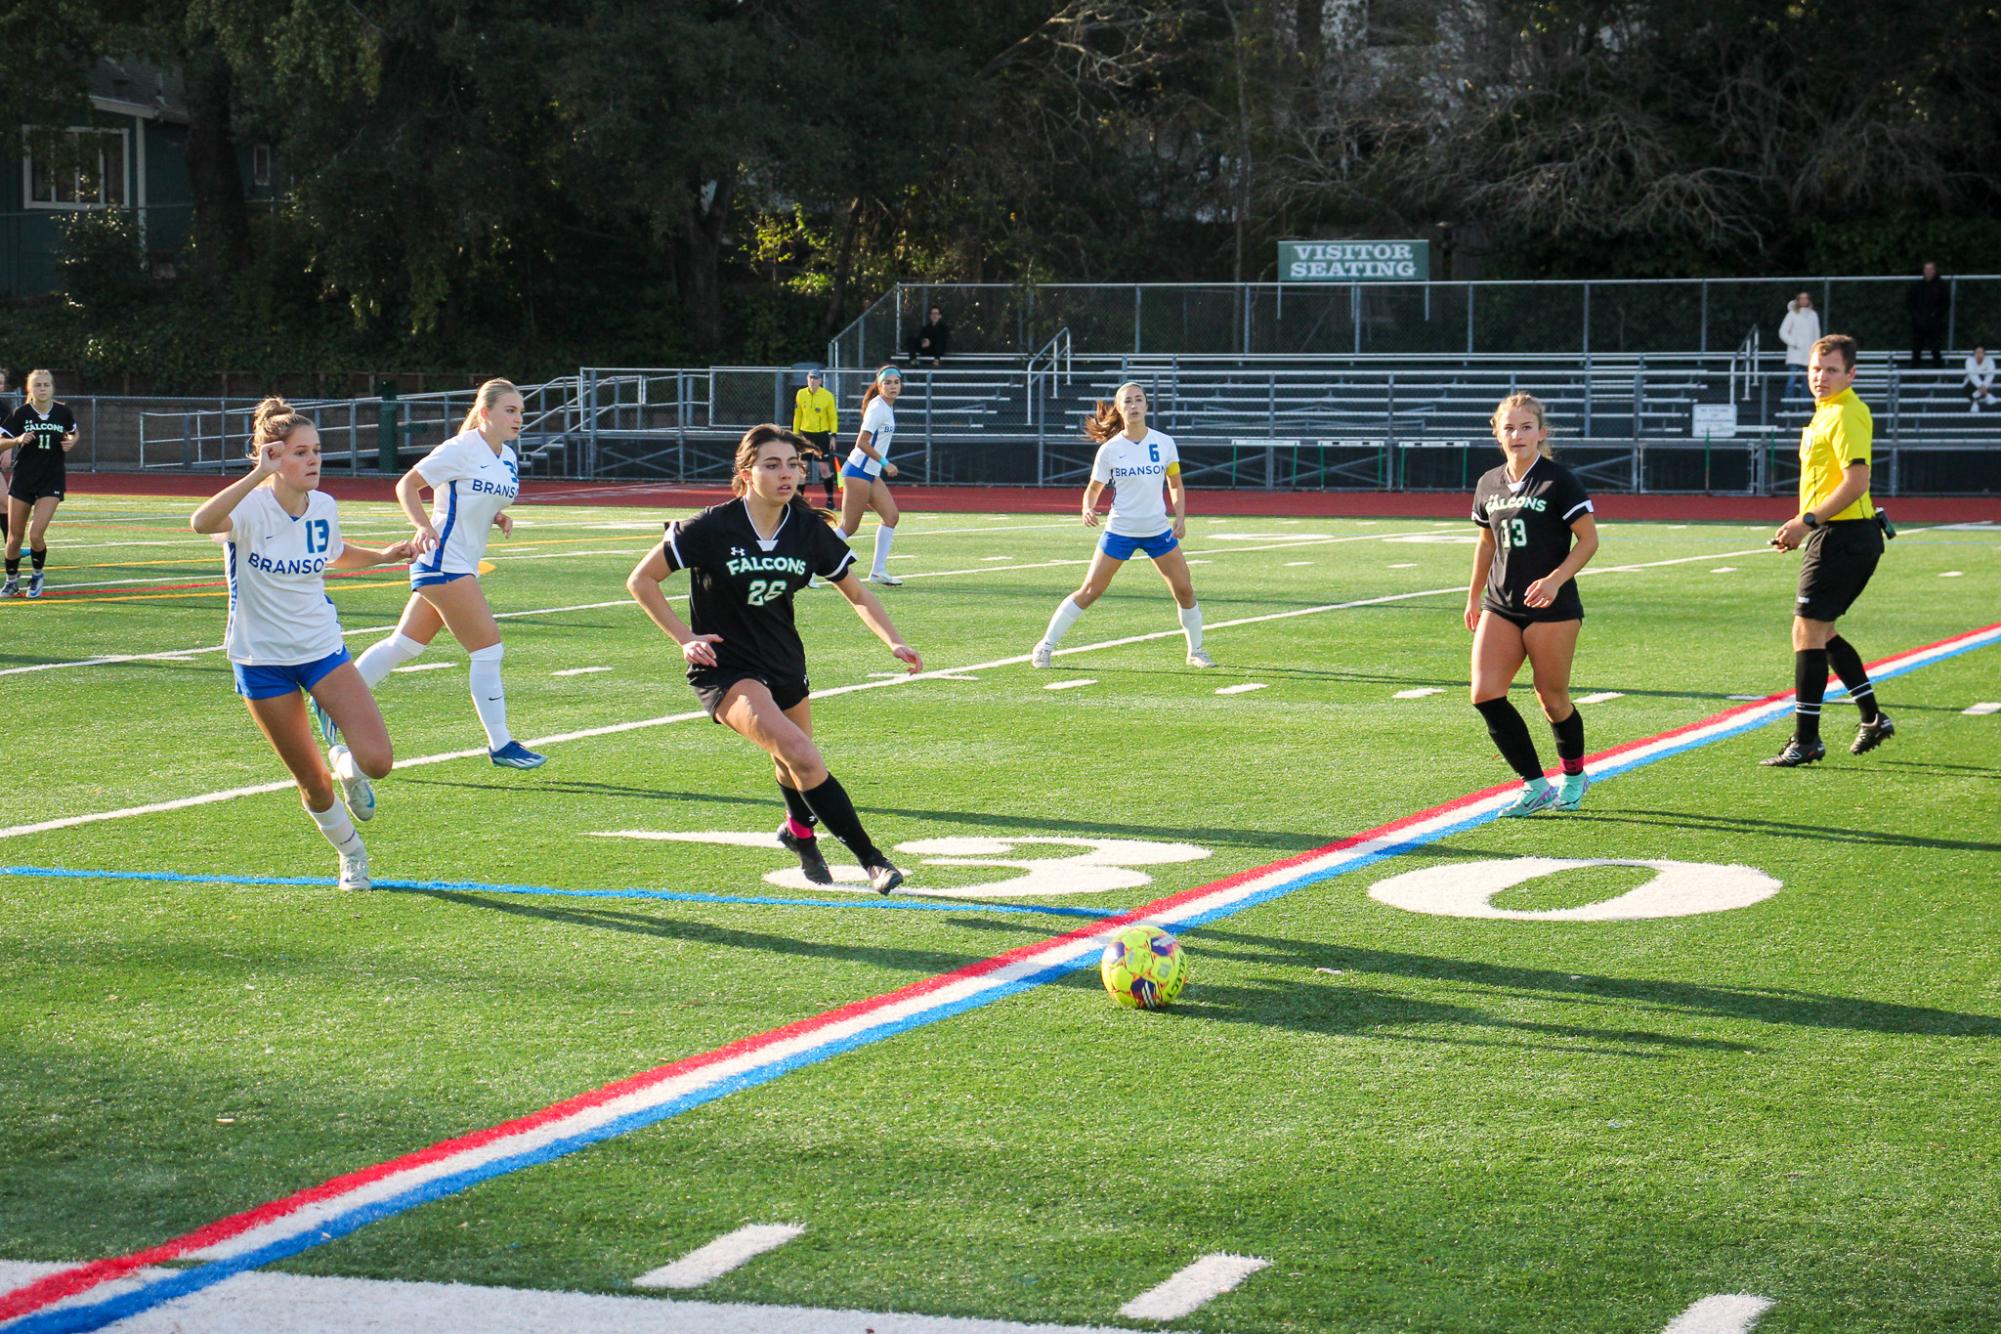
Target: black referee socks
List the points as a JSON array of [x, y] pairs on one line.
[[1570, 741], [1809, 688], [830, 802], [1847, 664], [1511, 737], [796, 807]]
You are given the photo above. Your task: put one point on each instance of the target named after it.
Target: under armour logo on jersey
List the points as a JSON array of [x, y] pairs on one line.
[[738, 551]]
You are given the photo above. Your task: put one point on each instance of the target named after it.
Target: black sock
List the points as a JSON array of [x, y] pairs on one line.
[[796, 807], [830, 802], [1809, 687], [1511, 736], [13, 566], [40, 558], [1847, 664], [1570, 741]]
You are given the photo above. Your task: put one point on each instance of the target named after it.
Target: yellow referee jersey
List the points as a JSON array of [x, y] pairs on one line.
[[1841, 434], [814, 410]]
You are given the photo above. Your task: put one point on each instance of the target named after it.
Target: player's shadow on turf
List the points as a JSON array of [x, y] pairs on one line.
[[1806, 833], [1360, 1011], [1772, 1005]]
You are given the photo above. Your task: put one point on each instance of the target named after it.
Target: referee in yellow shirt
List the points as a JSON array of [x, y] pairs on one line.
[[1837, 524], [815, 416]]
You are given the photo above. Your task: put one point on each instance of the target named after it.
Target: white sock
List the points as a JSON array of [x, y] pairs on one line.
[[884, 535], [488, 697], [385, 656], [842, 533], [339, 830], [1191, 625], [1067, 612], [343, 764]]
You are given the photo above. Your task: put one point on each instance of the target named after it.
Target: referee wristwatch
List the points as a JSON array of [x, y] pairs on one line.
[[1807, 518]]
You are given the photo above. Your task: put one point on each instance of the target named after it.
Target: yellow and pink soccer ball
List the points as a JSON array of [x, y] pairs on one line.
[[1143, 967]]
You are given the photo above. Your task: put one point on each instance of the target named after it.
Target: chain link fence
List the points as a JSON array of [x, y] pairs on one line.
[[1474, 319]]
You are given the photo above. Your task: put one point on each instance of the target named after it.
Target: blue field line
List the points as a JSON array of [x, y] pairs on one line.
[[99, 1314], [551, 891]]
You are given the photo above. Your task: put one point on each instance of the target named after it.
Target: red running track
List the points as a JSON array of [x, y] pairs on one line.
[[1063, 500]]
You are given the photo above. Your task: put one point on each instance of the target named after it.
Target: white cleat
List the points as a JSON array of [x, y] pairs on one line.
[[1041, 656], [1199, 658], [885, 578], [355, 788], [354, 870]]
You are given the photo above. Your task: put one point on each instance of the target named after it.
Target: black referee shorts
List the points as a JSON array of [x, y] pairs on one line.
[[712, 683], [1840, 557]]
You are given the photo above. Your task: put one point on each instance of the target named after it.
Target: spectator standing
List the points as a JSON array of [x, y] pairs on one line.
[[1930, 302], [1979, 385], [933, 340], [1799, 331]]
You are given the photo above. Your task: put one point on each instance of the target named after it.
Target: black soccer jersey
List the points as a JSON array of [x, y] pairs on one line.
[[38, 465], [1530, 520], [743, 584]]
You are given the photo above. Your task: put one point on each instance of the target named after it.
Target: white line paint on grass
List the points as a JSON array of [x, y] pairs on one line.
[[996, 558], [424, 667], [1724, 1313], [1982, 709], [1405, 565], [580, 671], [1289, 564], [1724, 569], [706, 1264], [1194, 1287], [1244, 689], [1421, 691], [1071, 685], [1197, 560], [1951, 574], [1605, 696]]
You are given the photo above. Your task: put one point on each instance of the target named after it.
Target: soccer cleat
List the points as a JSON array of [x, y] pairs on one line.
[[12, 588], [1570, 794], [514, 755], [882, 877], [1041, 655], [807, 850], [356, 790], [35, 584], [885, 578], [1531, 800], [354, 869], [324, 721], [1795, 755], [1198, 658], [1873, 734]]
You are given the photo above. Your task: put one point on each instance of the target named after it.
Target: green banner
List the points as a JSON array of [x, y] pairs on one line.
[[1354, 261]]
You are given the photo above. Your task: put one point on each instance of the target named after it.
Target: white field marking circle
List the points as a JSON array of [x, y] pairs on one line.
[[1102, 866], [1438, 539], [1678, 889]]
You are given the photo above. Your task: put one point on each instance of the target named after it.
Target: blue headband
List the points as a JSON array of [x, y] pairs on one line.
[[888, 373]]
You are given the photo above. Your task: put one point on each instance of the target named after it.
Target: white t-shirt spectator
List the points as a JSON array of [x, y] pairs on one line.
[[1980, 374], [1799, 331]]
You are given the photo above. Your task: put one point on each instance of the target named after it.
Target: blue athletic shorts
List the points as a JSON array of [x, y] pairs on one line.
[[270, 682], [863, 474], [427, 580], [1122, 548]]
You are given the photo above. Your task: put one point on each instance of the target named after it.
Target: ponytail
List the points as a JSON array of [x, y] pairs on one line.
[[485, 401], [1107, 421], [274, 420]]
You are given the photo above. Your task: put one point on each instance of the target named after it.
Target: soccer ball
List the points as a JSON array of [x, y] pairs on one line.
[[1144, 968]]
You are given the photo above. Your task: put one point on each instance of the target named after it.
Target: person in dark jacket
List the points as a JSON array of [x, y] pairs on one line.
[[933, 340], [1930, 301]]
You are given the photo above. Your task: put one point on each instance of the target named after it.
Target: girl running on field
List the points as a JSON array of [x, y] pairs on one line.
[[280, 536], [1135, 460], [865, 476], [1536, 533], [42, 432], [473, 477], [745, 559]]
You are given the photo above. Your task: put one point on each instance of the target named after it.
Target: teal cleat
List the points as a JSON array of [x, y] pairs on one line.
[[1570, 795], [1532, 799]]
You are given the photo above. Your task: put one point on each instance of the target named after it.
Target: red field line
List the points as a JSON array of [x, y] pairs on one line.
[[1063, 500]]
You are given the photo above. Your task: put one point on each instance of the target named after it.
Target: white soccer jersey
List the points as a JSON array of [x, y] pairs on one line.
[[880, 422], [279, 611], [470, 486], [1137, 469]]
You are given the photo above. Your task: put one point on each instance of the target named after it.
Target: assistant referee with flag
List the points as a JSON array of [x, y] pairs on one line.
[[1838, 526], [816, 417]]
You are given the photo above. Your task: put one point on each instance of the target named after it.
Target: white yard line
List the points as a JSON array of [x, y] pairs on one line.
[[706, 1264], [1244, 689], [1724, 1313], [424, 667], [580, 671], [1419, 692], [1192, 1288], [1071, 685], [1602, 697]]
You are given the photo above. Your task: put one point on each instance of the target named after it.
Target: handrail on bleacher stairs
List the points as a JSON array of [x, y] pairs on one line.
[[1628, 422]]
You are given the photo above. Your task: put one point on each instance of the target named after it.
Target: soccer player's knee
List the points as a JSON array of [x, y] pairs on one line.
[[1555, 704], [1084, 596], [802, 757], [374, 761]]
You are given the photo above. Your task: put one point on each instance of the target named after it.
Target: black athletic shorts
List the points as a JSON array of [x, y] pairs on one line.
[[1523, 617], [1840, 557], [712, 683], [28, 494]]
